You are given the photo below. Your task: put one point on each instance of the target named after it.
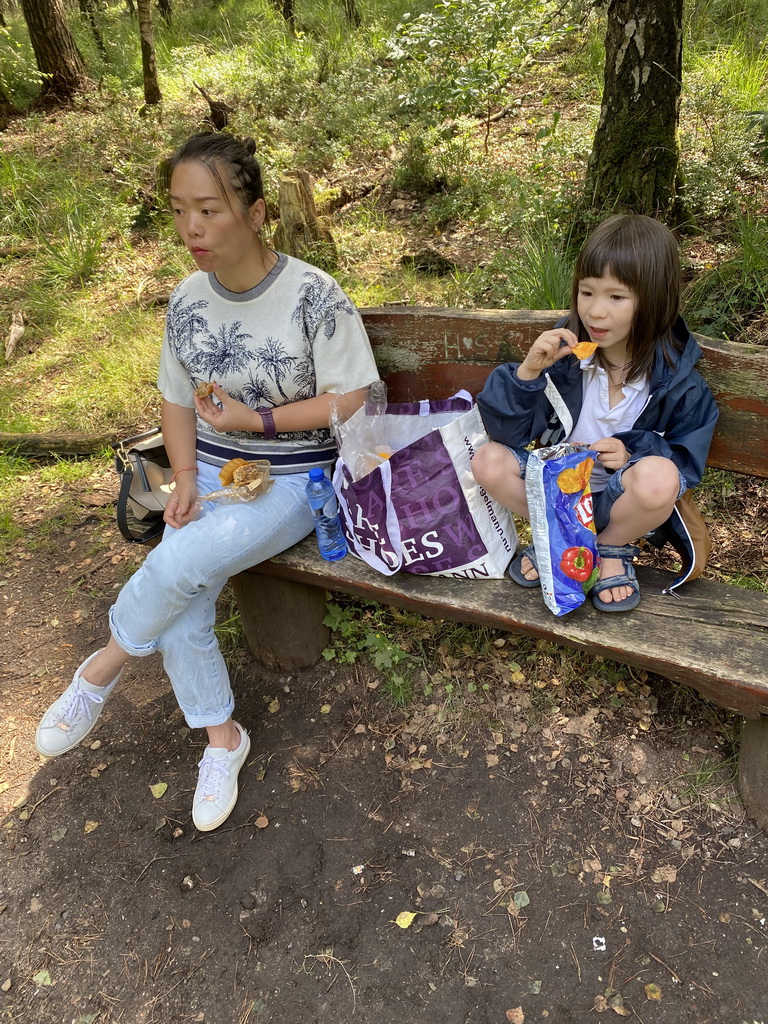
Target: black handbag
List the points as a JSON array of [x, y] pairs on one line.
[[145, 477]]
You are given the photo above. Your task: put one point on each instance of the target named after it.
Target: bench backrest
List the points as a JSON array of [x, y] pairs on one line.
[[431, 353]]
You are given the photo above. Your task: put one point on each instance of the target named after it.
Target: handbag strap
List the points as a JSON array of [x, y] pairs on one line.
[[126, 479]]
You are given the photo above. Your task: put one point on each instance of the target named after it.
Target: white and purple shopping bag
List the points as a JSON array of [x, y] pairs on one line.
[[420, 510]]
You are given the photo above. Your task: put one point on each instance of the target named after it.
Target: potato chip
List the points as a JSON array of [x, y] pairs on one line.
[[571, 481], [584, 349]]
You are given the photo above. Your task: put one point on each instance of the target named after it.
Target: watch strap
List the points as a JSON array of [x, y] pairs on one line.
[[268, 423]]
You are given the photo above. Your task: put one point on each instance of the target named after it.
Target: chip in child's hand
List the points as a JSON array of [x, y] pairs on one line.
[[584, 349]]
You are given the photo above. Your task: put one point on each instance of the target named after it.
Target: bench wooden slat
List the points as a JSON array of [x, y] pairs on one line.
[[713, 637], [430, 353]]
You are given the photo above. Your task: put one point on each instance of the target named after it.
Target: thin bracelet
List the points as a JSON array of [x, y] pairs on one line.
[[187, 469]]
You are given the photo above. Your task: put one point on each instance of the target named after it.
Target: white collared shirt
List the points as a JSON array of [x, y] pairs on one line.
[[598, 420]]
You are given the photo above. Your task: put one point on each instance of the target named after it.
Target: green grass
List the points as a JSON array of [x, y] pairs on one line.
[[727, 295]]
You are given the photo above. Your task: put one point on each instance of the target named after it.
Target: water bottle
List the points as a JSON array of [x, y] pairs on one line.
[[322, 500]]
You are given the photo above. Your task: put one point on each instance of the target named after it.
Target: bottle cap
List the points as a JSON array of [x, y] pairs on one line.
[[316, 473]]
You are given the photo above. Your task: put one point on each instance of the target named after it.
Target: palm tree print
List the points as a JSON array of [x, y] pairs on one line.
[[256, 392], [277, 364], [228, 352], [319, 303], [305, 378], [185, 324]]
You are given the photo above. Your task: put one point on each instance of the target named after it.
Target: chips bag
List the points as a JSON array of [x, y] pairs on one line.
[[560, 507]]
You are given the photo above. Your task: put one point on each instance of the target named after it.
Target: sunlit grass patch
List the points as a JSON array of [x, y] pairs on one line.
[[96, 371]]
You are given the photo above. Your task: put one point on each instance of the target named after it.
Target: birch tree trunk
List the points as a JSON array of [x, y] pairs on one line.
[[152, 92], [635, 154]]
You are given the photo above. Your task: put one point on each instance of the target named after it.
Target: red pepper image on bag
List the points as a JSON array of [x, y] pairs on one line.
[[577, 564]]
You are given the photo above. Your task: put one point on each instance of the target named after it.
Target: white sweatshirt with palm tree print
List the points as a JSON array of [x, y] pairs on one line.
[[294, 336]]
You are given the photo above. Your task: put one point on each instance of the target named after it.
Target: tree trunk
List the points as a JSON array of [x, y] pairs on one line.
[[7, 111], [166, 11], [301, 232], [152, 92], [634, 157], [88, 11], [287, 9], [352, 13], [57, 56], [72, 443]]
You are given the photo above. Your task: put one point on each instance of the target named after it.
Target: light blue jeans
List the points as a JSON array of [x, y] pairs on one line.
[[169, 605]]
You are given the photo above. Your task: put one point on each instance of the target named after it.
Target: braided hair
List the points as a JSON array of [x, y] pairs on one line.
[[230, 160]]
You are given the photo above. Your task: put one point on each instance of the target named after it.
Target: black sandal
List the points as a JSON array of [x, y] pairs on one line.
[[516, 570], [626, 552]]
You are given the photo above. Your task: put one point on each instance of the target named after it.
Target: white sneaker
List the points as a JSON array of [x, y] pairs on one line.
[[70, 718], [216, 792]]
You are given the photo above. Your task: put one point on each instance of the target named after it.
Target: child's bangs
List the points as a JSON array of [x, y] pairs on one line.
[[609, 258]]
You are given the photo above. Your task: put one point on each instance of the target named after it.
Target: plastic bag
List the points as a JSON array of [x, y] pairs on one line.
[[364, 443], [562, 524], [234, 494], [421, 510]]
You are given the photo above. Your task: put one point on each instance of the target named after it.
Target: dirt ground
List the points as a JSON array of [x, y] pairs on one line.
[[560, 854]]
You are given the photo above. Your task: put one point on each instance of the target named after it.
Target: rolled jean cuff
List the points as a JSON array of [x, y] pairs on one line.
[[198, 721], [135, 652]]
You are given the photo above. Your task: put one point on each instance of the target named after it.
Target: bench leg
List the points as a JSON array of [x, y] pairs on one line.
[[753, 769], [283, 620]]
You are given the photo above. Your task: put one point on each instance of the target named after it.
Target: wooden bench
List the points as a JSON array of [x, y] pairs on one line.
[[711, 636]]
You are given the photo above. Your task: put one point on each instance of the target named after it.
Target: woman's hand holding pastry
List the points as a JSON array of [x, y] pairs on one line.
[[227, 416], [182, 505], [613, 454], [545, 351]]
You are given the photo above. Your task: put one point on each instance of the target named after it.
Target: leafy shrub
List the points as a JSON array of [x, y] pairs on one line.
[[19, 74], [459, 58]]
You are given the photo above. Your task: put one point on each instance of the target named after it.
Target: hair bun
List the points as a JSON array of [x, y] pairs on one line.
[[249, 145]]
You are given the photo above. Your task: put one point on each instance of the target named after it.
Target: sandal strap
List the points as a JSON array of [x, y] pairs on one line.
[[628, 579], [530, 554], [623, 551]]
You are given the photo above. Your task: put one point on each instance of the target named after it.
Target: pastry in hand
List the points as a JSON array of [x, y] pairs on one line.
[[203, 389]]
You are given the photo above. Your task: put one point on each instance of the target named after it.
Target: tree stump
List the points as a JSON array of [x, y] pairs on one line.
[[301, 232]]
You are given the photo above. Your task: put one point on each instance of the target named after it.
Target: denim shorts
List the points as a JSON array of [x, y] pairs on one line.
[[602, 501]]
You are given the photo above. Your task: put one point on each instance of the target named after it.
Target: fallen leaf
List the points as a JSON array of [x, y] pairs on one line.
[[666, 873], [273, 706], [653, 992], [405, 919], [42, 978], [584, 726], [491, 760], [6, 985], [90, 826], [516, 1016], [262, 821], [325, 709], [58, 833], [158, 789]]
